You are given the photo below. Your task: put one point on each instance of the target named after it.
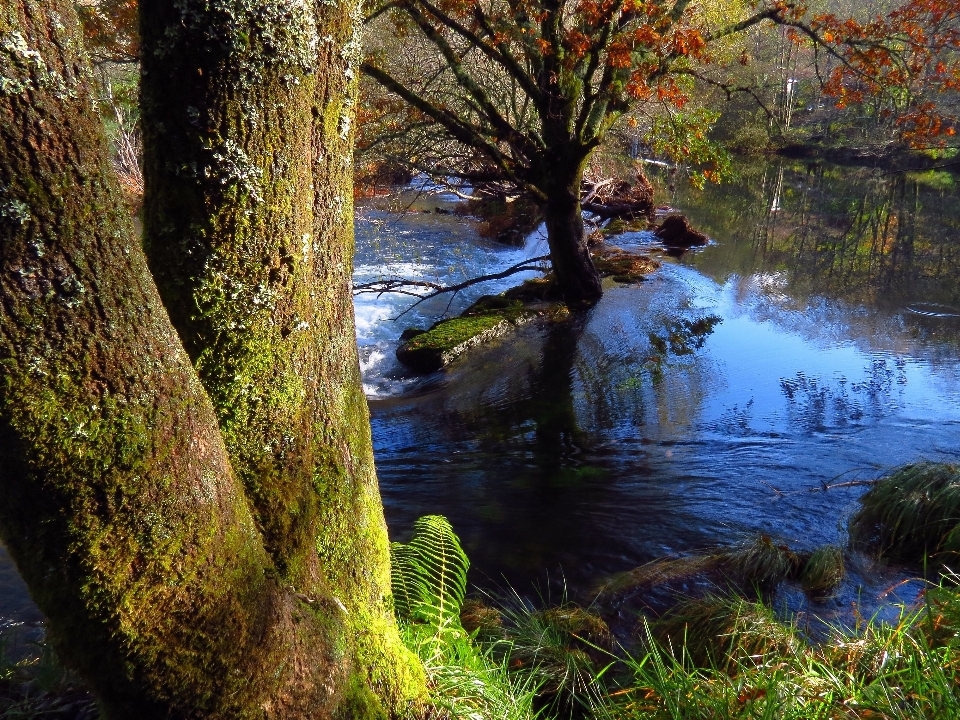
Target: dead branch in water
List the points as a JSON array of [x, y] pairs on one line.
[[401, 286]]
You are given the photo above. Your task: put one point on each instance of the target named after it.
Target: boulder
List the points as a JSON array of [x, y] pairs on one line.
[[676, 232]]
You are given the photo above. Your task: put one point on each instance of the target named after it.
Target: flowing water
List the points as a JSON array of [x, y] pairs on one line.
[[579, 449], [574, 451]]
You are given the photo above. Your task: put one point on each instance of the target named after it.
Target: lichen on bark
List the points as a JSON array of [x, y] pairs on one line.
[[248, 228], [120, 506], [173, 541]]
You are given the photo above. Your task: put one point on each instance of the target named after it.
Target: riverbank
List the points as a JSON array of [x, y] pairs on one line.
[[723, 654]]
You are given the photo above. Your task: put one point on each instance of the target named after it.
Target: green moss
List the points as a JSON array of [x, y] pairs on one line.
[[536, 290], [618, 226], [622, 266], [449, 334]]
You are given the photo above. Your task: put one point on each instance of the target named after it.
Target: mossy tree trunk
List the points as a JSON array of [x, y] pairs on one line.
[[176, 586], [247, 112], [558, 179], [569, 255]]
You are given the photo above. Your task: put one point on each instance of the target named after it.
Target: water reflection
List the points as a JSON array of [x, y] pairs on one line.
[[837, 355], [864, 235]]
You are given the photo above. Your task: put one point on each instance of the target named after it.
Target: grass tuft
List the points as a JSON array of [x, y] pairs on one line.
[[824, 570], [717, 631], [467, 681], [911, 514], [481, 620], [761, 563], [561, 647], [750, 669]]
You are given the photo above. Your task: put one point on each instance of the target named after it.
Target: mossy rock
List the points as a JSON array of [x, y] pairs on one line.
[[624, 267], [411, 332], [542, 289], [619, 226], [488, 318], [509, 308]]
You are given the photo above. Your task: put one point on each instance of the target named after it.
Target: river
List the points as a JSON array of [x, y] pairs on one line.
[[567, 452]]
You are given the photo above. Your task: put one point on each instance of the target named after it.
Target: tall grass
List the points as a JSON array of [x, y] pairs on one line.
[[912, 513], [716, 657], [563, 648], [908, 670], [469, 681], [33, 684]]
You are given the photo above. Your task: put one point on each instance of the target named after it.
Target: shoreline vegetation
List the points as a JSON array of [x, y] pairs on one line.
[[725, 653]]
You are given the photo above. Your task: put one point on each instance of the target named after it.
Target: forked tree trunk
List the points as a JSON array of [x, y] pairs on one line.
[[569, 255], [120, 506]]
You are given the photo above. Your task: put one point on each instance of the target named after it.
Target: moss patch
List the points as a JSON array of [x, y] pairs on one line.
[[449, 334], [618, 226], [623, 266], [489, 317]]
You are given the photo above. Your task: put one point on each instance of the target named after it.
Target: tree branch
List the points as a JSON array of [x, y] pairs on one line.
[[400, 286], [458, 129], [729, 88], [498, 53], [517, 140]]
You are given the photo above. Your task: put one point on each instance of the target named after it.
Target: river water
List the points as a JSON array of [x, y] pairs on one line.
[[573, 451], [567, 452]]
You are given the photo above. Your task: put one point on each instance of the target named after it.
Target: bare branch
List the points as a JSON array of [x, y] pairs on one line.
[[459, 130], [729, 88], [403, 287]]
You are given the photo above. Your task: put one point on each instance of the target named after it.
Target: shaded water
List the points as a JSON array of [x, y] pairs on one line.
[[576, 450]]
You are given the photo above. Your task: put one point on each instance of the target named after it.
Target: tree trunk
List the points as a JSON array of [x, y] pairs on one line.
[[247, 114], [578, 278], [252, 248], [170, 591]]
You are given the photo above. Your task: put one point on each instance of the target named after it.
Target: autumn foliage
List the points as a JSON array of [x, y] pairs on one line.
[[910, 58], [110, 30], [588, 62]]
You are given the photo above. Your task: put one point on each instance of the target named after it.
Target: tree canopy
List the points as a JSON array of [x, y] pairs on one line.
[[523, 91]]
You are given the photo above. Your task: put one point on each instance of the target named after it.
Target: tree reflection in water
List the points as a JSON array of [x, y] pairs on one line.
[[863, 235]]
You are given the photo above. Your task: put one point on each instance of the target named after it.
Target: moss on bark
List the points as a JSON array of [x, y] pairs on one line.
[[247, 115], [120, 506], [176, 590]]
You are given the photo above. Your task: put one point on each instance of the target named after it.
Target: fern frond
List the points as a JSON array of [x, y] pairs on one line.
[[429, 574], [408, 589]]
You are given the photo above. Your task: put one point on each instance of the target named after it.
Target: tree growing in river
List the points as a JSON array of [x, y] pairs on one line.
[[187, 476], [523, 91]]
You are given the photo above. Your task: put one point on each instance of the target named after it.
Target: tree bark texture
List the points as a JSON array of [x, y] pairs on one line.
[[578, 278], [247, 110], [163, 585]]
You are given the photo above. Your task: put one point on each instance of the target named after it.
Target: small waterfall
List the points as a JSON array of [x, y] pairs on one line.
[[536, 243]]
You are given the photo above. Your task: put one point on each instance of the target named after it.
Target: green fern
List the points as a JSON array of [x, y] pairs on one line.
[[429, 574]]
